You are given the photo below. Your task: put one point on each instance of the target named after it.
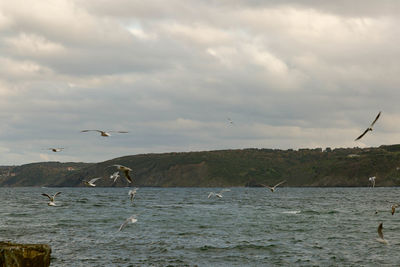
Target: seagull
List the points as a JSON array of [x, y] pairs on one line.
[[59, 149], [380, 233], [91, 182], [394, 206], [114, 176], [230, 121], [132, 193], [104, 133], [274, 187], [369, 128], [131, 219], [51, 198], [124, 169], [219, 195], [372, 180]]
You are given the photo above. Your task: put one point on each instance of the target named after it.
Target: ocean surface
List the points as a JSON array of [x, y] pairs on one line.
[[182, 227]]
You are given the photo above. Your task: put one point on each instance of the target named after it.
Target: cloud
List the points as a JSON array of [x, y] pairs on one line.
[[289, 73]]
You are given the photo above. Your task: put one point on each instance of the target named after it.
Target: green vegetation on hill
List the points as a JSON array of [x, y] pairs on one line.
[[240, 167]]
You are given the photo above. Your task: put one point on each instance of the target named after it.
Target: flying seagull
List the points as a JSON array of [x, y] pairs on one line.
[[56, 149], [91, 182], [124, 169], [273, 188], [131, 219], [132, 193], [114, 176], [369, 128], [380, 233], [394, 206], [372, 180], [104, 133], [51, 198], [219, 195], [230, 121]]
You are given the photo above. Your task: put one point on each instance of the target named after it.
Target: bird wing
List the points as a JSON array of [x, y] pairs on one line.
[[94, 180], [279, 183], [380, 233], [123, 225], [358, 138], [56, 194], [377, 117], [211, 194], [266, 186], [118, 131], [128, 178], [44, 194]]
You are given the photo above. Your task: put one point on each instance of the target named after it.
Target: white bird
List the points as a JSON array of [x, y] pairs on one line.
[[219, 195], [372, 180], [56, 149], [380, 233], [273, 188], [104, 133], [51, 198], [91, 182], [369, 128], [114, 176], [131, 219], [132, 193], [124, 169]]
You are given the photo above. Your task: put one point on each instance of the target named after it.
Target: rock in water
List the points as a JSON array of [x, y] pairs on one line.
[[29, 255]]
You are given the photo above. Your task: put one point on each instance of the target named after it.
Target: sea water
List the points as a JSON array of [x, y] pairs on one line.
[[182, 227]]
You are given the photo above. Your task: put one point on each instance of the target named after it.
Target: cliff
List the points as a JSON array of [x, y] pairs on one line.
[[24, 255], [304, 167]]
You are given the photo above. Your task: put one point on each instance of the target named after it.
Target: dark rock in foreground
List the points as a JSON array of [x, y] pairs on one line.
[[24, 255]]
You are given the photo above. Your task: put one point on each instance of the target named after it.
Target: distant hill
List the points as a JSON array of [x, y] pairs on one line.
[[223, 168]]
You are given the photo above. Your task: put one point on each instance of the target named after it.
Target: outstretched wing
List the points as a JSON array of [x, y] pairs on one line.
[[211, 194], [377, 117], [123, 225], [128, 178], [56, 194], [46, 195], [266, 186], [118, 131], [380, 233], [280, 183], [94, 180], [358, 138]]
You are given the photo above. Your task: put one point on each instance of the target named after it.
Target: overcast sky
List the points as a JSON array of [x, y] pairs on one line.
[[290, 74]]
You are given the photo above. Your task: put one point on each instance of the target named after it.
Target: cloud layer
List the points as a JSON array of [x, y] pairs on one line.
[[290, 74]]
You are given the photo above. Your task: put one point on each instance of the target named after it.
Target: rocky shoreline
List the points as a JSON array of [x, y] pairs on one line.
[[24, 255]]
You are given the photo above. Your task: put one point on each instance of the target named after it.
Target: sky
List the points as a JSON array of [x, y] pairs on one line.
[[289, 74]]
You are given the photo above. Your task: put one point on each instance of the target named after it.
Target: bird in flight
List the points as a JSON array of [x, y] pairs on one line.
[[230, 121], [131, 219], [51, 198], [104, 133], [114, 176], [372, 180], [56, 149], [219, 195], [273, 188], [380, 233], [91, 182], [369, 128], [125, 170], [132, 194]]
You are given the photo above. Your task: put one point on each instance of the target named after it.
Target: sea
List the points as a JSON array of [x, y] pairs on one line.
[[183, 227]]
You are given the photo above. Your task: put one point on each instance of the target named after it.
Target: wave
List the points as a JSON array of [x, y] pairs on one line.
[[291, 212]]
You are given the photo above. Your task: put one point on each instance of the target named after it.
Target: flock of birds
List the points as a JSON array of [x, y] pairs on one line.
[[132, 193], [92, 182]]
